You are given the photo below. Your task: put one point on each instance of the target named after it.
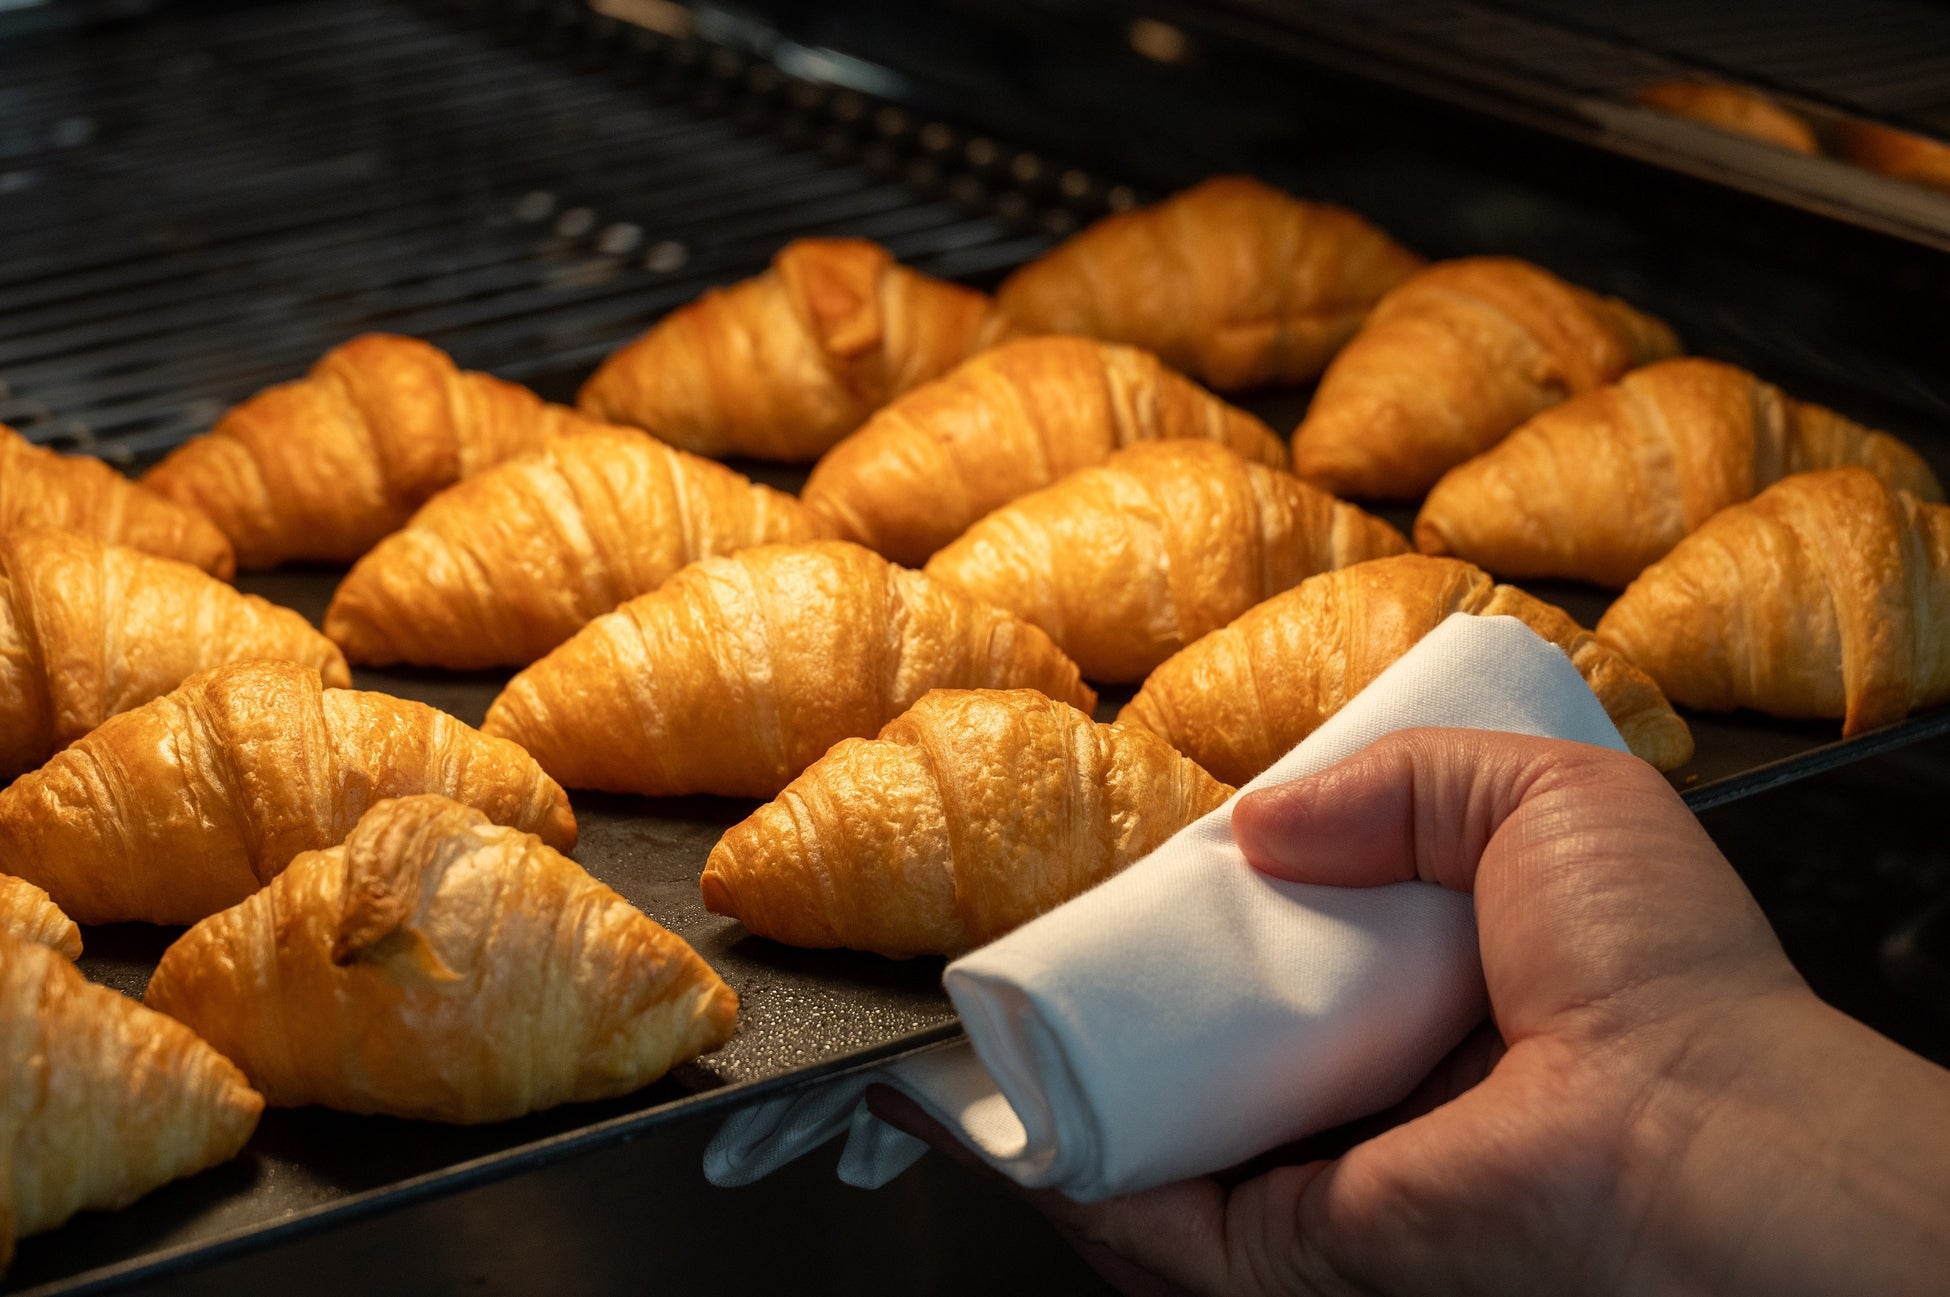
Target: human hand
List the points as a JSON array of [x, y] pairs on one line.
[[1674, 1110]]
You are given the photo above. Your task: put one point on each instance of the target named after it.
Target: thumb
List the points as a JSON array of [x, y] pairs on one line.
[[1416, 804]]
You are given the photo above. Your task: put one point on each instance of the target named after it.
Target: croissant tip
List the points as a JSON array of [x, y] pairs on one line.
[[717, 895]]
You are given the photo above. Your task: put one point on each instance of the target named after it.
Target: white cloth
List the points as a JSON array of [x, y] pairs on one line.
[[1191, 1012]]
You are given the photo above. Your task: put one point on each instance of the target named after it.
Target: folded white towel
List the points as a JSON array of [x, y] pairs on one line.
[[1191, 1012]]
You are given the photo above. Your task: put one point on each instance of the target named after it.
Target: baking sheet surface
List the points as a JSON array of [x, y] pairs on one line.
[[801, 1012]]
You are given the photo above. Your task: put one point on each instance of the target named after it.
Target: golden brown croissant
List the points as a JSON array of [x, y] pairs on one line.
[[1731, 108], [1231, 281], [101, 1100], [783, 365], [1603, 485], [1899, 155], [1239, 699], [970, 815], [324, 467], [1828, 594], [30, 914], [503, 567], [39, 488], [1454, 359], [1006, 423], [191, 803], [436, 965], [741, 671], [90, 630], [1126, 564]]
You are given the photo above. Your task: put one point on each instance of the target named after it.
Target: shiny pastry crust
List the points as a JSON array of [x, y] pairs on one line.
[[438, 966], [1008, 422], [1125, 564], [30, 914], [190, 803], [1242, 697], [1899, 155], [1231, 281], [742, 671], [505, 566], [88, 631], [323, 467], [39, 488], [1731, 108], [1450, 362], [1604, 485], [1828, 594], [783, 365], [971, 814], [101, 1100]]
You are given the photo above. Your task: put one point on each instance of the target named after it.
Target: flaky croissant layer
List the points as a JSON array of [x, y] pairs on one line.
[[1010, 421], [88, 631], [439, 966], [188, 804], [741, 671], [970, 815], [1240, 698], [30, 914], [1828, 594], [323, 467], [1604, 485], [1125, 564], [39, 488], [783, 365], [501, 568], [1231, 281], [101, 1100]]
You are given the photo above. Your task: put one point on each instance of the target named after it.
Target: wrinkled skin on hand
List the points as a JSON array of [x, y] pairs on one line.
[[1660, 1105]]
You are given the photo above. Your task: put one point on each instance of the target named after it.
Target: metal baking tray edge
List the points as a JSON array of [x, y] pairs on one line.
[[475, 1172]]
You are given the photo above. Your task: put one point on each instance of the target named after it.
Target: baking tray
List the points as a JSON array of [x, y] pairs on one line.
[[803, 1014]]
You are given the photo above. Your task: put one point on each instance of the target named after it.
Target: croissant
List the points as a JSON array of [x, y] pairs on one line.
[[1006, 423], [1731, 108], [101, 1100], [1828, 594], [439, 966], [1239, 699], [783, 365], [741, 671], [1126, 564], [188, 804], [324, 467], [1453, 360], [89, 630], [39, 488], [1231, 281], [503, 567], [1899, 155], [970, 815], [28, 913], [1605, 484]]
